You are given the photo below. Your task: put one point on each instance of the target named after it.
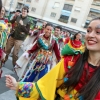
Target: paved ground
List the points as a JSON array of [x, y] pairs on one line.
[[5, 93]]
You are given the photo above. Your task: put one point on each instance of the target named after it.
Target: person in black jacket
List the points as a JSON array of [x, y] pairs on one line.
[[19, 33]]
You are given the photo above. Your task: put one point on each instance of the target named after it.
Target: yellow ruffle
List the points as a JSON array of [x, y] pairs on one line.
[[63, 92]]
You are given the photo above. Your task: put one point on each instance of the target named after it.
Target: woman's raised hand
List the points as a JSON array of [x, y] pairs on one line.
[[11, 82]]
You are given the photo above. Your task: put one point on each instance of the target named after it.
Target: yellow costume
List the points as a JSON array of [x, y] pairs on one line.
[[45, 87]]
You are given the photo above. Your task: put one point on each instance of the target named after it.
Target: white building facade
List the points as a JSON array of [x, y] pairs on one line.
[[75, 14]]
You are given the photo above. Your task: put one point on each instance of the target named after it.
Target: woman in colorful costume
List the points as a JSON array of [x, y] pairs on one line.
[[74, 43], [42, 56], [3, 36], [80, 82]]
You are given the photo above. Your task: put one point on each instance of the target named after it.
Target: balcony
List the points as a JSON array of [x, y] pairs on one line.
[[89, 18], [63, 20], [19, 5], [96, 3], [65, 13], [64, 16], [20, 1], [86, 23], [29, 1], [71, 2]]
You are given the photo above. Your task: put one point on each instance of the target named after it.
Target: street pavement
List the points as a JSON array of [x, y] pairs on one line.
[[5, 93]]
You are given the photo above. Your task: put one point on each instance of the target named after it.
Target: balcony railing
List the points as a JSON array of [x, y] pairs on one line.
[[63, 20], [96, 3]]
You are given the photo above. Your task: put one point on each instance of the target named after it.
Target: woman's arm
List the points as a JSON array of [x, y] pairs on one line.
[[34, 48], [44, 88], [23, 89], [57, 51]]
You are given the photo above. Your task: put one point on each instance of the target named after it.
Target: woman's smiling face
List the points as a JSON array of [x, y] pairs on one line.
[[92, 36]]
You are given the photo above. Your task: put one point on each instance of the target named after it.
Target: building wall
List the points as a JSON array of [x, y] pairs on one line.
[[39, 6], [50, 10], [80, 12], [6, 3], [44, 8], [3, 2], [69, 2]]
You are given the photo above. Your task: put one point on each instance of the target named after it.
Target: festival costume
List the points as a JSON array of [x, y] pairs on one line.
[[3, 40], [28, 41], [3, 32], [59, 42], [42, 58], [31, 38], [72, 47], [48, 86]]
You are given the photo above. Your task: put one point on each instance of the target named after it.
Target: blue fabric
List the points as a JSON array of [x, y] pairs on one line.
[[80, 98], [35, 73], [43, 72]]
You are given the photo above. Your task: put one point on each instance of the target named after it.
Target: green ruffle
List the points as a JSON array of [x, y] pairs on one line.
[[67, 50], [42, 98]]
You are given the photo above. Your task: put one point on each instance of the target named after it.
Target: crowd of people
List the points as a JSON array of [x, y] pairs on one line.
[[54, 65]]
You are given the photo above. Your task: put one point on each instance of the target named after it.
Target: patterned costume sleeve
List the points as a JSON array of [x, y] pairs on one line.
[[27, 90]]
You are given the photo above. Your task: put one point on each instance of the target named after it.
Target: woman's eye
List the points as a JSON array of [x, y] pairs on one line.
[[98, 32], [88, 31]]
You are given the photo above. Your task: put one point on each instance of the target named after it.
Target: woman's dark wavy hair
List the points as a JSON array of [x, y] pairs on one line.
[[74, 37], [90, 90]]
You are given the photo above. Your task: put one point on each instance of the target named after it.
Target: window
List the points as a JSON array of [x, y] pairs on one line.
[[86, 24], [64, 19], [19, 6], [67, 7], [53, 14], [78, 9], [74, 20], [56, 5], [33, 9], [28, 0], [94, 14], [96, 2]]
